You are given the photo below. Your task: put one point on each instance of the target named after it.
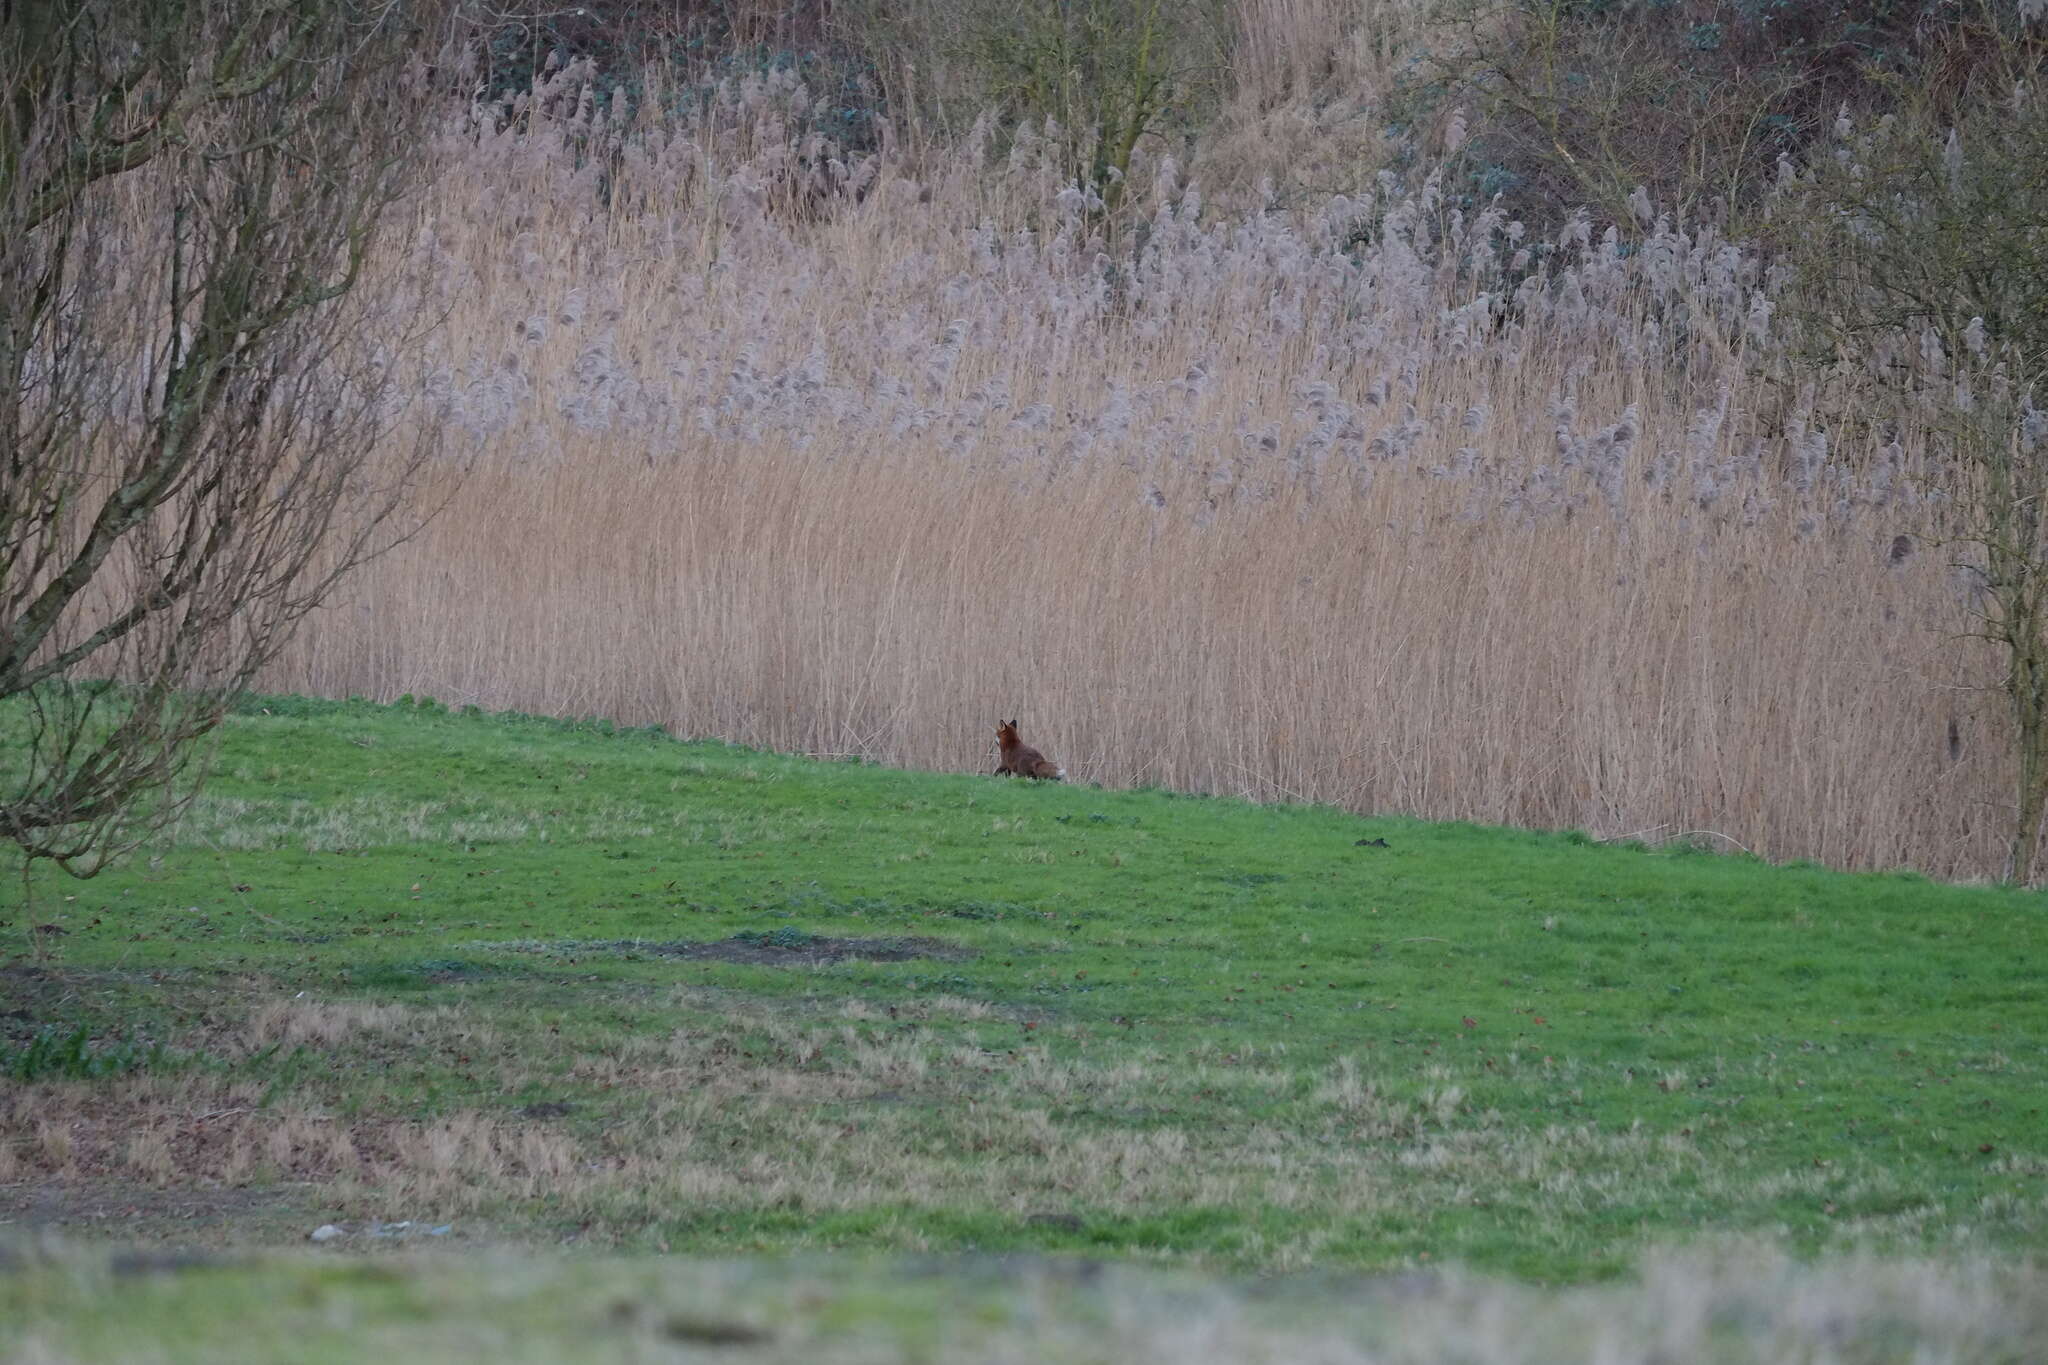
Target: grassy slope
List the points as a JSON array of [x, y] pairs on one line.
[[1187, 1029]]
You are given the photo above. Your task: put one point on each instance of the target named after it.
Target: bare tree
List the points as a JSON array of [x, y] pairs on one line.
[[1923, 257], [198, 431]]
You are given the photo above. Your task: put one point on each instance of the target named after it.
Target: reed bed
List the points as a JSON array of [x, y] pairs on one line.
[[1374, 502]]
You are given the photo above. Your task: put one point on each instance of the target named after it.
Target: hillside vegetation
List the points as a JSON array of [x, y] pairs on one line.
[[563, 983], [1521, 520], [1357, 488]]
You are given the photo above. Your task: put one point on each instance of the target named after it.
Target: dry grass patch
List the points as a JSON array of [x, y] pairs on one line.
[[769, 1113], [300, 1022], [198, 1133]]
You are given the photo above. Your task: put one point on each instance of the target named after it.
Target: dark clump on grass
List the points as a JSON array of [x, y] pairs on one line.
[[134, 1262], [447, 970], [58, 1054], [793, 948], [787, 947]]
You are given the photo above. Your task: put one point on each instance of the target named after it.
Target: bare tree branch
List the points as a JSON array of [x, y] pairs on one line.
[[197, 438]]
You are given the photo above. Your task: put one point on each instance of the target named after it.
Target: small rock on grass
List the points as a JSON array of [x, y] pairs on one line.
[[326, 1232]]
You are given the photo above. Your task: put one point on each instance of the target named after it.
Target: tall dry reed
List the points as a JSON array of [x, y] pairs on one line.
[[1379, 504]]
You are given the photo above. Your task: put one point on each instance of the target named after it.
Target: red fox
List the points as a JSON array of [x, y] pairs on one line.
[[1020, 759]]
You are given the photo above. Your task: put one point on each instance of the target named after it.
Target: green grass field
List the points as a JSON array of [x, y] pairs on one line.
[[547, 985]]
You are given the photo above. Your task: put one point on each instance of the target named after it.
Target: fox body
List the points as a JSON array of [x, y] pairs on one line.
[[1020, 759]]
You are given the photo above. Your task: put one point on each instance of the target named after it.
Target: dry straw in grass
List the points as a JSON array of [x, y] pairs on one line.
[[1378, 504]]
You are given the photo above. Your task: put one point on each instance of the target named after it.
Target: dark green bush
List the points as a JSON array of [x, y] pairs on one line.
[[55, 1054]]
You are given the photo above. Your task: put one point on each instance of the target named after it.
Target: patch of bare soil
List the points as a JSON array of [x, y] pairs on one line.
[[781, 948], [134, 1211]]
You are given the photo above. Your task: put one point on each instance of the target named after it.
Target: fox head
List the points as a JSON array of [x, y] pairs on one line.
[[1006, 732]]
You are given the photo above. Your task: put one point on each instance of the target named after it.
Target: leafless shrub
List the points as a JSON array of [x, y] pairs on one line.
[[198, 424]]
